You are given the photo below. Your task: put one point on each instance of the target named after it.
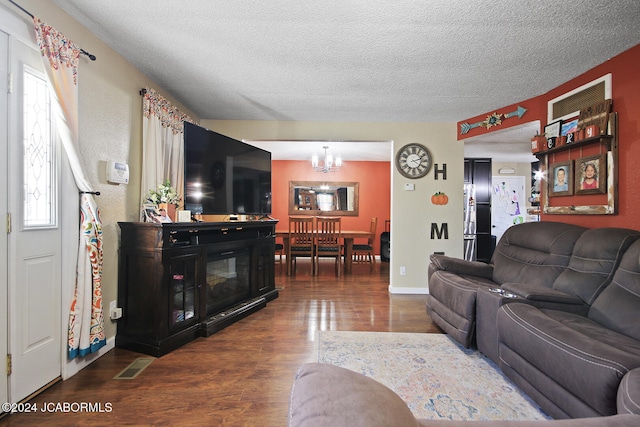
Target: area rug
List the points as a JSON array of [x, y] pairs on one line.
[[433, 374]]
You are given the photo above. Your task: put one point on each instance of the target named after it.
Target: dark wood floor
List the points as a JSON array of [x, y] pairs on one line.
[[242, 375]]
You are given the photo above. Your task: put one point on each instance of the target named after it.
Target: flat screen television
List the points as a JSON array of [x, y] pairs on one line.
[[224, 176]]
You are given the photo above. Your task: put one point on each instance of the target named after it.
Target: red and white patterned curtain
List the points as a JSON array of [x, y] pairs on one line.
[[162, 144], [86, 320]]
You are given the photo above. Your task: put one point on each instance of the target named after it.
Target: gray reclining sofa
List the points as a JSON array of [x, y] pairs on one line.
[[558, 310]]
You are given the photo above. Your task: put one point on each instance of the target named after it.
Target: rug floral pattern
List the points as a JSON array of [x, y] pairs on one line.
[[434, 375]]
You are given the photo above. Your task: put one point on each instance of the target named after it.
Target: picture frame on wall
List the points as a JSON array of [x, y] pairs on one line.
[[552, 130], [568, 127], [591, 175], [561, 179]]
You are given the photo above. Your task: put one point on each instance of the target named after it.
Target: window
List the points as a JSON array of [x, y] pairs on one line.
[[38, 153]]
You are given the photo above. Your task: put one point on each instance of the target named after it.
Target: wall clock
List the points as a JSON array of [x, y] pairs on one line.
[[413, 161]]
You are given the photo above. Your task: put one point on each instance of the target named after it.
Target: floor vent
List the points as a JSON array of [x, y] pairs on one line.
[[134, 368]]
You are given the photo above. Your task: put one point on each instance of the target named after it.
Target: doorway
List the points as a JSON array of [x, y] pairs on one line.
[[31, 256], [507, 203]]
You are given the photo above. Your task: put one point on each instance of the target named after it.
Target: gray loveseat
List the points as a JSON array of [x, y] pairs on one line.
[[558, 309]]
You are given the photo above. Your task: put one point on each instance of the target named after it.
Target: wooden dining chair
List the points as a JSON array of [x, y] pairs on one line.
[[301, 242], [279, 251], [364, 252], [329, 240]]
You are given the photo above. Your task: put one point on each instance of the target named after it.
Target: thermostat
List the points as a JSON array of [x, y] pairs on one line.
[[117, 172]]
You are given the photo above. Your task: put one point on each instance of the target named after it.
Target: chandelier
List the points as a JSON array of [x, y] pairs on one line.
[[328, 164]]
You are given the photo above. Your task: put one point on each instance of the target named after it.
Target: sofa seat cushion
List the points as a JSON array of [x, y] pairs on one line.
[[331, 396], [580, 355]]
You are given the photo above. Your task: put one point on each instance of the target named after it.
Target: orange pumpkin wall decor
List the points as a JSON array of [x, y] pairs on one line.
[[439, 198]]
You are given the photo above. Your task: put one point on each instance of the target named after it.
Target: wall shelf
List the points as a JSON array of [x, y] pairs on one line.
[[605, 140], [610, 143]]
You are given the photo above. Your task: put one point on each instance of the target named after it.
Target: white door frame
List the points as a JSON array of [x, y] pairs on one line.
[[4, 200]]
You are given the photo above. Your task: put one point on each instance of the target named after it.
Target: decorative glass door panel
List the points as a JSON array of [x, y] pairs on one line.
[[266, 265], [183, 288]]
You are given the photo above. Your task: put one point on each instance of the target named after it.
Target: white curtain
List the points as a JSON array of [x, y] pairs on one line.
[[162, 144], [86, 321]]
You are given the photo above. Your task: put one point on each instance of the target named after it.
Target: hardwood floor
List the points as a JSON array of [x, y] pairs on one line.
[[242, 375]]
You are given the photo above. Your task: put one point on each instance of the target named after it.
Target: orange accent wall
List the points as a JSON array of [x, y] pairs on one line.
[[375, 191], [624, 69], [625, 84]]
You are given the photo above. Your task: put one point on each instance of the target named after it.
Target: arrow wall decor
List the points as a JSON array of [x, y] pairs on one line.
[[494, 119]]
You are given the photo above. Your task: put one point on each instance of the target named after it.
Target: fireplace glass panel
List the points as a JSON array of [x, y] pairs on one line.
[[228, 275]]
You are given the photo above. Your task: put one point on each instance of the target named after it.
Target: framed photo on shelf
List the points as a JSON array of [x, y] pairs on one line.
[[150, 213], [591, 175], [568, 127], [552, 130], [561, 179]]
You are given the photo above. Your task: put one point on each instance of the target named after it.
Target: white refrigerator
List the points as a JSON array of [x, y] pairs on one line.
[[469, 229]]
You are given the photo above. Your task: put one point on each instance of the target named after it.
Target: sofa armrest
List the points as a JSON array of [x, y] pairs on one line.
[[461, 266], [538, 293], [628, 401], [327, 395], [547, 298]]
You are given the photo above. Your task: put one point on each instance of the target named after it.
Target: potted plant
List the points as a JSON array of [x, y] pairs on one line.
[[166, 198]]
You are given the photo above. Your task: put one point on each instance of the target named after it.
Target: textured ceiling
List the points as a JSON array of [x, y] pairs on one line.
[[426, 61]]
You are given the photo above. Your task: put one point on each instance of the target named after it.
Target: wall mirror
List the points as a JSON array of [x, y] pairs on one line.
[[323, 198]]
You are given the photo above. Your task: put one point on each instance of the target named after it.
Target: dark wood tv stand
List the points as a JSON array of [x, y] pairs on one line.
[[179, 281]]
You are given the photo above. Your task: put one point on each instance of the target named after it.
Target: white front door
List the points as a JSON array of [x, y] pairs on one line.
[[34, 255], [508, 204], [4, 121]]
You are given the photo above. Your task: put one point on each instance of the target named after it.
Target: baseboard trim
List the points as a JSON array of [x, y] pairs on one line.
[[74, 366], [408, 291]]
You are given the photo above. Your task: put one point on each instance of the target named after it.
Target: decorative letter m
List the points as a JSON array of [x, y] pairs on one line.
[[443, 230]]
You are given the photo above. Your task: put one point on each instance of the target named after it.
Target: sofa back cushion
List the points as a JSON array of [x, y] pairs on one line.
[[618, 306], [534, 252], [594, 260]]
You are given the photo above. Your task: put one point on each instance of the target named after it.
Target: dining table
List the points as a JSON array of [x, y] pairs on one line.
[[347, 237]]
